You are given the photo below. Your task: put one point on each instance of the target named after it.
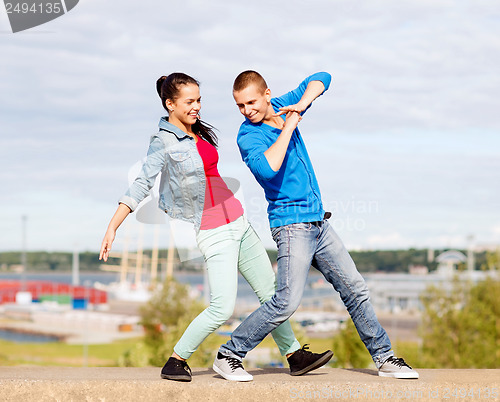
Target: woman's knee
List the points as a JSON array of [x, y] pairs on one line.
[[266, 292], [220, 313]]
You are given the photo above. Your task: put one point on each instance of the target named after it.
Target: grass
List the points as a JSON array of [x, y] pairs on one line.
[[105, 355], [61, 354]]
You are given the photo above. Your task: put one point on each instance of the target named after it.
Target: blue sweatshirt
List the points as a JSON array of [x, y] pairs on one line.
[[292, 192]]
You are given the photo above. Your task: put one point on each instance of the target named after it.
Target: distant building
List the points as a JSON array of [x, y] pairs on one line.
[[449, 261], [418, 270], [401, 292]]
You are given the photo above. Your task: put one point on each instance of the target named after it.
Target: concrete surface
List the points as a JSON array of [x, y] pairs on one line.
[[106, 384]]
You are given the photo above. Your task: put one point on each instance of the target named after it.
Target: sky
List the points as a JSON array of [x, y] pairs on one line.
[[405, 143]]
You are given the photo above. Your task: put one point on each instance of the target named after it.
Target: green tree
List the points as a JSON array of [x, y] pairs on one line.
[[165, 318], [461, 325], [349, 349], [492, 261]]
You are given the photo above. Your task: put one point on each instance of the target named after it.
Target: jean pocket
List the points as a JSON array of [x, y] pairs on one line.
[[181, 166], [275, 233], [301, 226], [179, 158]]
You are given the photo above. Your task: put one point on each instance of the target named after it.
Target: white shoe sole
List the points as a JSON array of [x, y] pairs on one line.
[[413, 375], [230, 377]]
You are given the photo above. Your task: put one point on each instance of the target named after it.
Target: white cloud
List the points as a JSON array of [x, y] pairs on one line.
[[407, 122], [394, 239]]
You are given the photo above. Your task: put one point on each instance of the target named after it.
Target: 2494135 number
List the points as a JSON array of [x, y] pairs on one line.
[[35, 8]]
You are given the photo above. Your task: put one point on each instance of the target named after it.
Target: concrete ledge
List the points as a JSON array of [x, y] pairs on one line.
[[108, 384]]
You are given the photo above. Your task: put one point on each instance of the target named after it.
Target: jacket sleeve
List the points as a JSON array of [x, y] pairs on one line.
[[252, 148], [294, 96], [145, 180]]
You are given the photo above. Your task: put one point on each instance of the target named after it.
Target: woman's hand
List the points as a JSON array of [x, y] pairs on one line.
[[109, 237], [121, 213]]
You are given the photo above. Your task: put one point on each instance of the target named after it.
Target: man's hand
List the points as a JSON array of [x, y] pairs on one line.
[[298, 108], [313, 90], [276, 152], [292, 119]]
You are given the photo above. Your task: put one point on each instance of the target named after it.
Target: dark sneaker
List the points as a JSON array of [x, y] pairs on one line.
[[396, 368], [230, 368], [303, 361], [175, 369]]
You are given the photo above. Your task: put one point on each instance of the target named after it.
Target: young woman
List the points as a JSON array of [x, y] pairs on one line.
[[191, 189]]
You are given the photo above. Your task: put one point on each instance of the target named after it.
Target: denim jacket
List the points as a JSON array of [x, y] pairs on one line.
[[182, 187]]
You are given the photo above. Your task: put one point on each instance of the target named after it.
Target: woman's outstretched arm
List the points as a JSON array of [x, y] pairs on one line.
[[121, 213]]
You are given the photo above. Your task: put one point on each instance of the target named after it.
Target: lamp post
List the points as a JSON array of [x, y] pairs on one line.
[[24, 262]]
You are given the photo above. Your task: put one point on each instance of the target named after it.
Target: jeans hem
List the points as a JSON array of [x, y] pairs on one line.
[[228, 353], [180, 354], [295, 346], [380, 359]]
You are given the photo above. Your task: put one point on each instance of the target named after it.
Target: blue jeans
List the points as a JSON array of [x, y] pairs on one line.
[[301, 245], [228, 249]]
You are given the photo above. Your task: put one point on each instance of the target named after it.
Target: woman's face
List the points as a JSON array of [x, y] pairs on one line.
[[186, 107]]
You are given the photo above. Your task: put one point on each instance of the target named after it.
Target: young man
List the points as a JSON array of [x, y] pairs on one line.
[[273, 149]]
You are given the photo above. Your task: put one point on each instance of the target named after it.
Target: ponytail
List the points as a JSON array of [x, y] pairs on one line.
[[168, 88]]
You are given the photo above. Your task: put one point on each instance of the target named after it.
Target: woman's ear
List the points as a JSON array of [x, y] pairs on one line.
[[169, 105]]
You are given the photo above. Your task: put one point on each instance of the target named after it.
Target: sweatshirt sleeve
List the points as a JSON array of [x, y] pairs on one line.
[[294, 96], [252, 148]]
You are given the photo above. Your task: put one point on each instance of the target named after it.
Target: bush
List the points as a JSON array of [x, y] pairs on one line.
[[461, 326], [165, 318]]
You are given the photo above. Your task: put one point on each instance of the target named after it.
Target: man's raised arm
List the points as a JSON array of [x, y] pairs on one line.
[[276, 152]]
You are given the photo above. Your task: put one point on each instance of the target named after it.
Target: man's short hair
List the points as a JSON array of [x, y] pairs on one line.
[[247, 78]]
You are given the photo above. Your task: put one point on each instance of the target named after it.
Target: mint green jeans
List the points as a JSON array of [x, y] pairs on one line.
[[228, 249]]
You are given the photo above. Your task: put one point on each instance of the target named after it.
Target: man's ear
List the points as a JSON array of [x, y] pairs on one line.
[[267, 94]]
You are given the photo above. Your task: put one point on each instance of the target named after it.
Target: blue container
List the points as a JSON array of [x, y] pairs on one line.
[[80, 304]]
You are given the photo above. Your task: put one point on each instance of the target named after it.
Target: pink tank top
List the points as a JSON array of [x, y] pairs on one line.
[[221, 206]]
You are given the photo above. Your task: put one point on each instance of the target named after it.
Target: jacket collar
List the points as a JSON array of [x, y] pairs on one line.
[[165, 125]]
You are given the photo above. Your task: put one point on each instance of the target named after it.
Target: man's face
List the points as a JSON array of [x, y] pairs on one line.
[[253, 103]]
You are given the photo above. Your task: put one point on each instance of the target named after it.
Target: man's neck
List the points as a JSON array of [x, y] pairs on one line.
[[271, 120]]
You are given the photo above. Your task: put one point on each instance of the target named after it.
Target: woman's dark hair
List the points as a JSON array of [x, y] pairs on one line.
[[168, 87]]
